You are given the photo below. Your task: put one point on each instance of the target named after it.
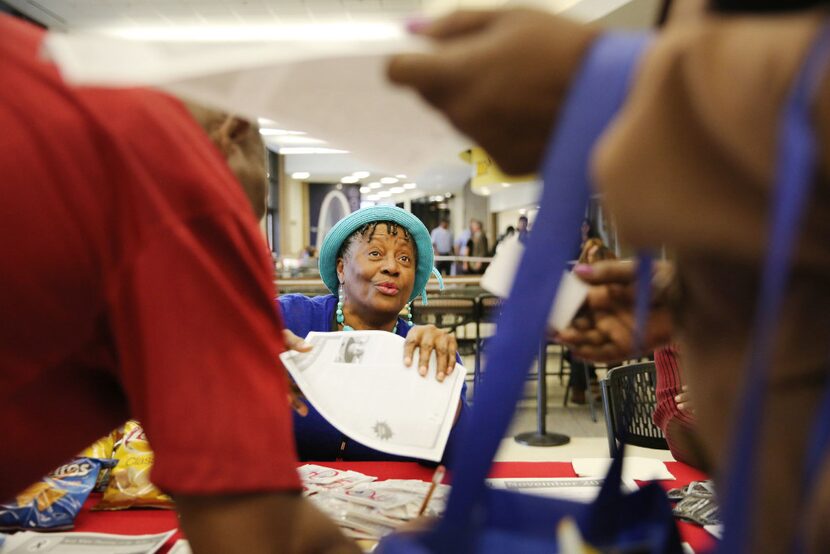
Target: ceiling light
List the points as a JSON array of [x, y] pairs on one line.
[[505, 185], [373, 197], [349, 180], [384, 194], [361, 174], [300, 175], [409, 186], [365, 190], [523, 211], [448, 195], [375, 185], [401, 176], [389, 180], [292, 140], [396, 190], [485, 191], [288, 150]]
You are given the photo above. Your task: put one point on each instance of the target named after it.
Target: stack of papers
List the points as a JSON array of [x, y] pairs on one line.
[[86, 543], [578, 489], [634, 468], [357, 381], [365, 508]]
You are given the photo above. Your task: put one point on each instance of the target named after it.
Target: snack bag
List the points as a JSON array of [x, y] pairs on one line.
[[129, 485], [102, 449], [54, 502]]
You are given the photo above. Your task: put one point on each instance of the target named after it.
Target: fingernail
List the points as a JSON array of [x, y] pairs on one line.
[[441, 377], [677, 398], [422, 370], [417, 24], [306, 344], [407, 361], [583, 270]]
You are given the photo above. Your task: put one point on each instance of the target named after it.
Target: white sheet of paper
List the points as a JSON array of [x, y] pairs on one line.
[[715, 530], [635, 468], [358, 382], [498, 279], [579, 489], [84, 543], [180, 547], [335, 90]]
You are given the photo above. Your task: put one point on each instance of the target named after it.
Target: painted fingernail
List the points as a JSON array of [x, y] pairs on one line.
[[417, 25], [583, 270]]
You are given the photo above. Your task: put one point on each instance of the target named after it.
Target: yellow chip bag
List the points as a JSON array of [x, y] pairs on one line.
[[129, 485], [102, 449]]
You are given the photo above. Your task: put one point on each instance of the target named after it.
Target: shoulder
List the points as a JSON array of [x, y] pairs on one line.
[[302, 314]]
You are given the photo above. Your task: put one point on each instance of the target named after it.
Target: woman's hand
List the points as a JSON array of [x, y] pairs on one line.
[[295, 396], [604, 329], [684, 401], [429, 338]]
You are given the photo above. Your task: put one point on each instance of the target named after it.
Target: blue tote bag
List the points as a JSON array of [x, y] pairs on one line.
[[483, 520]]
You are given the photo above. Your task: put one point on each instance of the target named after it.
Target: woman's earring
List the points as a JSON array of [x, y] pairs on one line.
[[409, 313], [339, 311]]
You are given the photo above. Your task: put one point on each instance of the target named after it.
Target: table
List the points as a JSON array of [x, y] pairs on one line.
[[136, 522]]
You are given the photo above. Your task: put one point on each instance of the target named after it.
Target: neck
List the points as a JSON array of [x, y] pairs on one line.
[[360, 322]]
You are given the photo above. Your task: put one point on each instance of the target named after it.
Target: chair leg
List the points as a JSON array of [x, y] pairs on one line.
[[589, 394], [609, 424]]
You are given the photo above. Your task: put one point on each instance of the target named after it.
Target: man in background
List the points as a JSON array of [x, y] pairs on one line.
[[442, 245]]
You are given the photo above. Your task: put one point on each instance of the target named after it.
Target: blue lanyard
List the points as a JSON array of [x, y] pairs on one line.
[[595, 96], [794, 176]]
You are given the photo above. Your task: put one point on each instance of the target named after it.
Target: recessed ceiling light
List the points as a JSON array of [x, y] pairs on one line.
[[365, 190], [485, 191], [361, 174], [384, 194], [448, 195], [373, 197], [505, 185], [523, 211], [401, 176], [279, 132], [300, 175], [389, 180], [396, 190], [349, 180], [375, 185], [410, 186]]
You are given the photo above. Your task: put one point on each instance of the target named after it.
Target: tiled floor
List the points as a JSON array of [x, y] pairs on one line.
[[588, 438]]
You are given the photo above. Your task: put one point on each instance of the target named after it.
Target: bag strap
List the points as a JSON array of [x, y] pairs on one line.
[[594, 98], [795, 174]]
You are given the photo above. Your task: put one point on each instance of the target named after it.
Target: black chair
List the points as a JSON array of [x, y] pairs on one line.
[[629, 398], [488, 309], [450, 313]]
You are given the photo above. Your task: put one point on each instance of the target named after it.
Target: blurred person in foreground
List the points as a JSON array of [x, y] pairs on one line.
[[698, 89], [137, 284]]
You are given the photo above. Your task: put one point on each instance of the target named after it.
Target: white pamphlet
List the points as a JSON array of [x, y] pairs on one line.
[[357, 381], [83, 543], [498, 279], [634, 467], [325, 88], [579, 489]]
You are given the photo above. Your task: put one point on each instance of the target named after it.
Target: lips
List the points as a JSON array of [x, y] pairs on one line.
[[389, 289]]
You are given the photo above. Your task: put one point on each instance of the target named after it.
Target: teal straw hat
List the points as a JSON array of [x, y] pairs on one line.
[[344, 228]]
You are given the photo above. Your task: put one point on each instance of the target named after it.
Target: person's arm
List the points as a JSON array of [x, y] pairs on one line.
[[279, 523]]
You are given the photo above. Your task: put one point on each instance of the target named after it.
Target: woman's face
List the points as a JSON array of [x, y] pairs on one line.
[[378, 275]]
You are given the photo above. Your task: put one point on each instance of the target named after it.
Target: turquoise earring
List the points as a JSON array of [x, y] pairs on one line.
[[409, 314], [339, 312]]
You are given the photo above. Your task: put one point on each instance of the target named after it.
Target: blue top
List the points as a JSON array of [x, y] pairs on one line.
[[316, 438]]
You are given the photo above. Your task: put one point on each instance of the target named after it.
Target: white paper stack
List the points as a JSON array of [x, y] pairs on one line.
[[635, 468]]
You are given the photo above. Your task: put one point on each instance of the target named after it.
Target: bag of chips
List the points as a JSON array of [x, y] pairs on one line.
[[54, 502], [129, 485], [102, 449]]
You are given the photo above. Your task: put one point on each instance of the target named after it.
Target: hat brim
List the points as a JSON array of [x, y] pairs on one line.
[[344, 228]]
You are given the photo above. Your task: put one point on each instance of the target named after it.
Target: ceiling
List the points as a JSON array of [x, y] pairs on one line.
[[212, 19]]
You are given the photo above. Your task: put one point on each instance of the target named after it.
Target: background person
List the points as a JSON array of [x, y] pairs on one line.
[[442, 245], [375, 262], [137, 285]]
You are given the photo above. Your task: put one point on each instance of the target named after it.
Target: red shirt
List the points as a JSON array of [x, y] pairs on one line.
[[134, 283], [670, 384]]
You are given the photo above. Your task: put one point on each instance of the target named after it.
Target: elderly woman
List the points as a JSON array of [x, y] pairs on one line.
[[375, 262]]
